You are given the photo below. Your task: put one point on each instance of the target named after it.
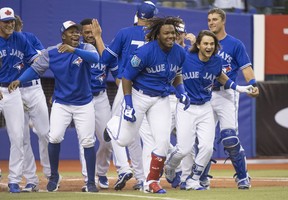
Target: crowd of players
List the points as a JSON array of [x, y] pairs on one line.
[[163, 85]]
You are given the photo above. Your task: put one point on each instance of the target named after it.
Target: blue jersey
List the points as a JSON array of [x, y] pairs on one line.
[[199, 76], [35, 42], [72, 74], [14, 52], [234, 56], [152, 70], [99, 72], [123, 45]]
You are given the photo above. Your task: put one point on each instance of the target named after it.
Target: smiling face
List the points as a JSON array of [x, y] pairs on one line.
[[87, 34], [71, 36], [215, 23], [166, 37], [206, 48], [7, 28]]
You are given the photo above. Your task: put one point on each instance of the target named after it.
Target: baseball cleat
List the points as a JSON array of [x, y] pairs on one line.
[[176, 181], [170, 174], [205, 183], [152, 186], [84, 188], [244, 184], [183, 186], [30, 187], [103, 182], [92, 188], [193, 184], [13, 188], [138, 185], [54, 183], [122, 179]]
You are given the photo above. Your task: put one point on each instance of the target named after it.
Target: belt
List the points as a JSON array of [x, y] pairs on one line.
[[4, 84], [95, 94], [219, 88], [198, 103], [145, 92], [30, 83]]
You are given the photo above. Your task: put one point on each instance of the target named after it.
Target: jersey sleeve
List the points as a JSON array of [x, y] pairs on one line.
[[136, 63], [42, 63], [114, 49], [30, 52], [242, 57]]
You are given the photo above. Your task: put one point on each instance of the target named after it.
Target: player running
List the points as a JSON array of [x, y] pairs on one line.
[[70, 61], [14, 51], [200, 70], [224, 100]]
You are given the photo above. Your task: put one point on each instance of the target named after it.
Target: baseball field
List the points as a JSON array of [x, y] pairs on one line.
[[269, 181]]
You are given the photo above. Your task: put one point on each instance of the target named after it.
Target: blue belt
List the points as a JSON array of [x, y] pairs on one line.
[[30, 83], [4, 84], [146, 93], [198, 103], [95, 94]]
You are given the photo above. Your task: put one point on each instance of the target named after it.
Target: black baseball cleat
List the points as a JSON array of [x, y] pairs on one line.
[[106, 136]]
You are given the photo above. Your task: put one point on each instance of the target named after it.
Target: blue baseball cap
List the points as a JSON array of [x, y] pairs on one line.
[[6, 14], [146, 10]]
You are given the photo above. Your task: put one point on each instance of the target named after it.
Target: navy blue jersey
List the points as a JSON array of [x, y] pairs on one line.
[[14, 52], [72, 74], [199, 76], [234, 56], [152, 70], [123, 45]]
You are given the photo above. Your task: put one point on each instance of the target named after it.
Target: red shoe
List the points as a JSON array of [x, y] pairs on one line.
[[153, 186]]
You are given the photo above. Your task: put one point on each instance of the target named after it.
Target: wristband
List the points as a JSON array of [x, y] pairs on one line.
[[253, 82], [128, 100], [230, 84], [180, 88]]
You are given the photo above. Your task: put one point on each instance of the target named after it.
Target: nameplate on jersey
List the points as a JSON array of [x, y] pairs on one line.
[[135, 61]]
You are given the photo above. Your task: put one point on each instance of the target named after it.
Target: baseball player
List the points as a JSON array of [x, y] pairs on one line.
[[200, 70], [14, 51], [151, 71], [99, 73], [35, 109], [126, 41], [70, 62], [224, 100]]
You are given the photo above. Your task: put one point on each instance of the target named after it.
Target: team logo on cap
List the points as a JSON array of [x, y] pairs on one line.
[[78, 61], [8, 12], [135, 61]]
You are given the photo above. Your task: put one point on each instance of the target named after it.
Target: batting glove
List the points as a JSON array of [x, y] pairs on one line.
[[182, 95], [244, 89], [129, 112], [185, 100]]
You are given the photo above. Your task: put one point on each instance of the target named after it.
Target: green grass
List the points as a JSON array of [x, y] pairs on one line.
[[255, 193], [173, 194]]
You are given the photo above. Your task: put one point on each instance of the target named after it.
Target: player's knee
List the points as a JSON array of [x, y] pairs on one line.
[[55, 140], [229, 138], [87, 142]]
